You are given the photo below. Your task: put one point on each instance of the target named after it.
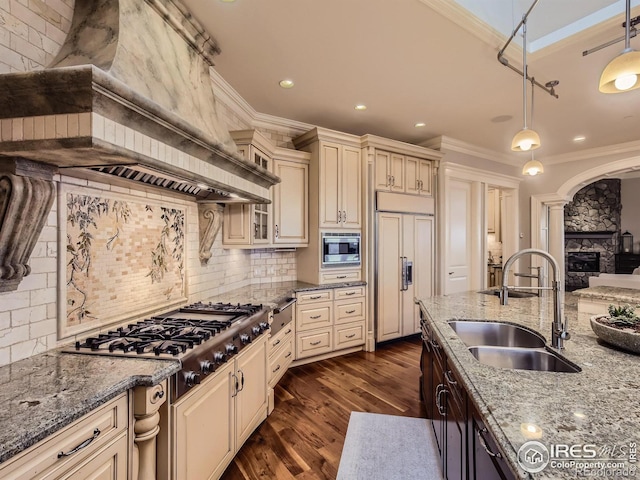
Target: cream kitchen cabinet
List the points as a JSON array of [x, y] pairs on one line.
[[213, 423], [96, 446], [418, 176], [291, 198], [284, 223], [281, 350], [402, 173], [335, 178], [249, 225], [390, 172], [329, 321]]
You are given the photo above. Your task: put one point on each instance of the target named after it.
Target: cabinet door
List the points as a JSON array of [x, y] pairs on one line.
[[437, 400], [351, 186], [388, 278], [422, 257], [208, 411], [251, 400], [397, 172], [455, 406], [383, 169], [236, 225], [485, 460], [426, 376], [425, 177], [412, 175], [329, 207], [291, 203]]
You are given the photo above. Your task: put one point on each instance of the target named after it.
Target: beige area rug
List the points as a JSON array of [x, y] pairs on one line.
[[388, 447]]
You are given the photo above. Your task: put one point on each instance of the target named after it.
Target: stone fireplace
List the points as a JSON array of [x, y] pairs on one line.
[[592, 230]]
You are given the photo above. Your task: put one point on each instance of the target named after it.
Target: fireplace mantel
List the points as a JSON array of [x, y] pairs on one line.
[[594, 235]]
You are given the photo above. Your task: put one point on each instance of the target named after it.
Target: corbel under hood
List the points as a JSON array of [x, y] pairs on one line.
[[131, 88]]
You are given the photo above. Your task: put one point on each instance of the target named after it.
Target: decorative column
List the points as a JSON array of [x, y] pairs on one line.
[[26, 195], [209, 223], [556, 235], [146, 403]]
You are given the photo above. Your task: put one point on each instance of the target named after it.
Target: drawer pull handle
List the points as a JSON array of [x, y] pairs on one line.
[[315, 297], [348, 294], [277, 342], [315, 317], [483, 442], [288, 332], [447, 376], [276, 369], [84, 444], [341, 276], [158, 395], [314, 343], [350, 311], [351, 336], [287, 355]]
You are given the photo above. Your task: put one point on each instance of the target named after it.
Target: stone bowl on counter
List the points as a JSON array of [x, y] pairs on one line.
[[626, 339]]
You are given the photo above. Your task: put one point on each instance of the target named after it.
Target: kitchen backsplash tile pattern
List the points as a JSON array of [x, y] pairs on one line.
[[123, 255]]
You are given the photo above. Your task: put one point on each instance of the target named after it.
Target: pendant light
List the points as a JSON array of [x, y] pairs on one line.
[[533, 167], [623, 72], [526, 139]]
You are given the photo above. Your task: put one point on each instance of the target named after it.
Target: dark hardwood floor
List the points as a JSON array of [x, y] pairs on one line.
[[303, 437]]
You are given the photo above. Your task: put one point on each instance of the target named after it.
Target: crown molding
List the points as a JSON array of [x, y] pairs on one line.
[[397, 146], [478, 175], [292, 128], [454, 145], [632, 148]]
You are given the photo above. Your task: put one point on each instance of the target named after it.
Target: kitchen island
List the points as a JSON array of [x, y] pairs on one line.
[[597, 406]]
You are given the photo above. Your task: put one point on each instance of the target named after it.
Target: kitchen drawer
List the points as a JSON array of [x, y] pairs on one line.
[[315, 296], [347, 311], [280, 360], [102, 425], [110, 463], [280, 338], [337, 277], [348, 292], [313, 343], [314, 316], [349, 335]]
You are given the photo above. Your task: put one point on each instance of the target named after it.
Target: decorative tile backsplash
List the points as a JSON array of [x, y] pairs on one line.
[[124, 256]]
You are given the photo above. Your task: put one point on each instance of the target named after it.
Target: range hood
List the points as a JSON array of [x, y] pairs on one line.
[[128, 96], [130, 87]]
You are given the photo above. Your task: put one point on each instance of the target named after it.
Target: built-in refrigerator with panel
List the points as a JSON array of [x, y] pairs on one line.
[[404, 271]]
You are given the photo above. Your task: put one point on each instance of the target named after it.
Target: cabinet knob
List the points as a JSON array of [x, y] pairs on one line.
[[277, 232]]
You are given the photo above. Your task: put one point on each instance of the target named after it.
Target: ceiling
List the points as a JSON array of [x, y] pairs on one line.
[[428, 61]]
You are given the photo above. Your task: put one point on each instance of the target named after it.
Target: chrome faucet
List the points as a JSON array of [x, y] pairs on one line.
[[559, 331]]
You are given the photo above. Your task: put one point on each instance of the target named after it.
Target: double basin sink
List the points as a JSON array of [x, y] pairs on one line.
[[506, 345]]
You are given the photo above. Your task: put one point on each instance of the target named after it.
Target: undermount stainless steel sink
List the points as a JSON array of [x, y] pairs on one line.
[[477, 333], [523, 359]]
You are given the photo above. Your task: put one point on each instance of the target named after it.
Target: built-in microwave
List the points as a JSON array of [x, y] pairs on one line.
[[340, 249]]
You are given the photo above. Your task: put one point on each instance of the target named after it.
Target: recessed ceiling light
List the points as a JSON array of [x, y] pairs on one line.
[[360, 107], [286, 83], [579, 138], [420, 125]]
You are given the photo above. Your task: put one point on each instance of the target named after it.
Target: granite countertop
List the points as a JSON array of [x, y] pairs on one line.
[[613, 294], [598, 405], [46, 392]]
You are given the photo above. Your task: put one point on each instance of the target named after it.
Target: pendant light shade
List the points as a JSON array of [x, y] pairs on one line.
[[525, 140], [623, 72], [532, 167]]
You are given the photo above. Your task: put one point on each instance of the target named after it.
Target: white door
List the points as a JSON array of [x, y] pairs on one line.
[[388, 277], [458, 242]]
